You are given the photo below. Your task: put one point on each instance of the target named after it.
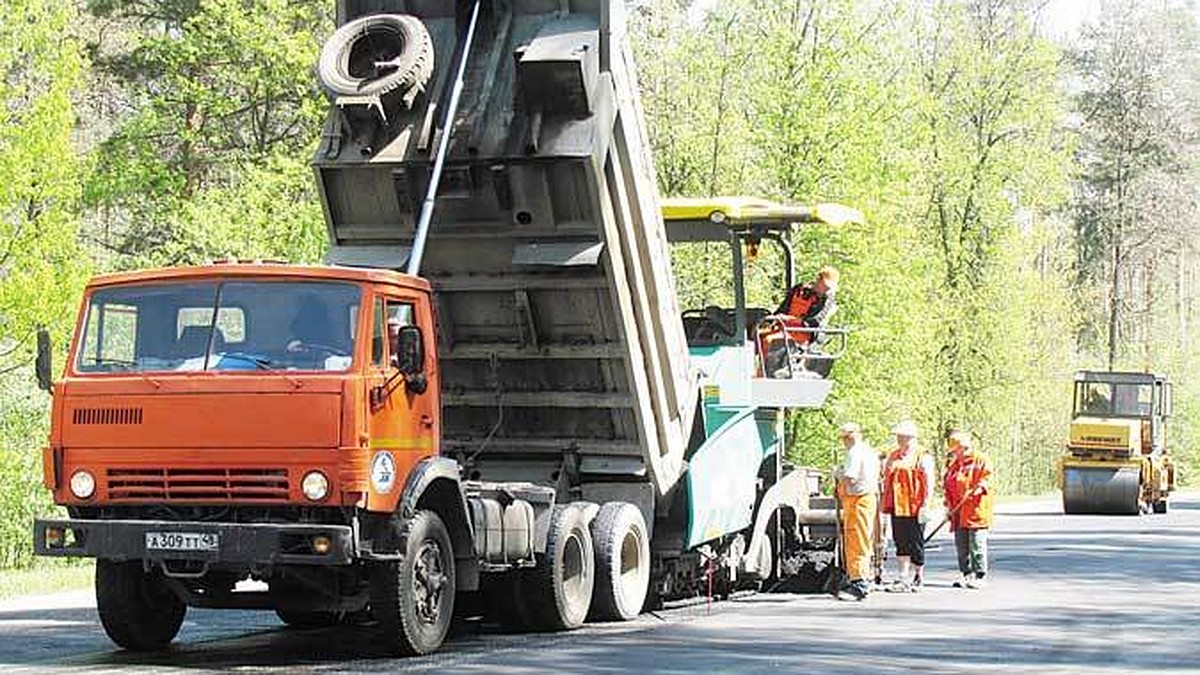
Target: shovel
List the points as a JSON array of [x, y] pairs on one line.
[[951, 512], [837, 570]]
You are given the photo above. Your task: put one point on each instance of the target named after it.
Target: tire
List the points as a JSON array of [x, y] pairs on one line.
[[309, 619], [346, 63], [137, 610], [1160, 506], [413, 600], [622, 549], [559, 589]]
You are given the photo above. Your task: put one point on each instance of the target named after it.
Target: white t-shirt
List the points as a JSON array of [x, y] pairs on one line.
[[861, 470]]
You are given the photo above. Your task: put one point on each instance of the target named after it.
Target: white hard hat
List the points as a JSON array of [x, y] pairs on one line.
[[905, 428]]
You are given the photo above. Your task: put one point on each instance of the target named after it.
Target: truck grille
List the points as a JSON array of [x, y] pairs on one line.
[[198, 485]]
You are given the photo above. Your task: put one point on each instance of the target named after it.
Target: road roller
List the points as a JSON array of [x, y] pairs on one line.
[[1116, 460]]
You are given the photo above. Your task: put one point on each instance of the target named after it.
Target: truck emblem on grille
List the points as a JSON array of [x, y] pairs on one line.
[[383, 472]]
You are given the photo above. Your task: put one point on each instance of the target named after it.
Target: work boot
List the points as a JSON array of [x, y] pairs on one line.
[[855, 590], [917, 582]]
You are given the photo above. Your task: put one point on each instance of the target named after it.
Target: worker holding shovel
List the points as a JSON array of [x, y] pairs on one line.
[[969, 502], [857, 483]]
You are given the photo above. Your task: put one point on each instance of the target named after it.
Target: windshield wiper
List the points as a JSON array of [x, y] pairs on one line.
[[262, 364], [130, 367]]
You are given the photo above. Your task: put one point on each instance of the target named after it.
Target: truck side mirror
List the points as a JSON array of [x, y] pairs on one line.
[[411, 358], [43, 365]]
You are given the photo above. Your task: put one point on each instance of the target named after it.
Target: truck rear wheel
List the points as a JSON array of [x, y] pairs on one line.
[[137, 609], [559, 589], [413, 599], [622, 562]]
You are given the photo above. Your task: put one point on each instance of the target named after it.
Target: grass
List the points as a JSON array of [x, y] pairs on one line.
[[46, 576]]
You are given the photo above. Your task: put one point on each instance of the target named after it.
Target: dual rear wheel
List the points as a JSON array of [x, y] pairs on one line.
[[598, 570]]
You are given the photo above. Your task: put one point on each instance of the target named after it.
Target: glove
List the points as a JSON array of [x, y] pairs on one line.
[[923, 516]]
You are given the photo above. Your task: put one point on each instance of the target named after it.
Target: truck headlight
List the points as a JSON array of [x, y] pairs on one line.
[[315, 486], [83, 484]]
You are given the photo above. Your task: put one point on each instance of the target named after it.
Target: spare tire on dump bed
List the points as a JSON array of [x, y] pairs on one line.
[[350, 63]]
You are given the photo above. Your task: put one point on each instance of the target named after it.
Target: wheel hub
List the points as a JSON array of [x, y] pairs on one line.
[[429, 581]]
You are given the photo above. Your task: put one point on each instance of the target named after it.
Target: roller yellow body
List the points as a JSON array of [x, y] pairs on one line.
[[1117, 461]]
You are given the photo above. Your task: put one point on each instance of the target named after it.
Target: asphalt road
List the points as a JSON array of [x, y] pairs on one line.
[[1105, 594]]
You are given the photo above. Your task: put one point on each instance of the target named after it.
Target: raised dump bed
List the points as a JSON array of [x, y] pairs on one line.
[[563, 359]]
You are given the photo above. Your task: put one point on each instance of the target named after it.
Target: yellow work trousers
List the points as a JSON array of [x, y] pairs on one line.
[[858, 523]]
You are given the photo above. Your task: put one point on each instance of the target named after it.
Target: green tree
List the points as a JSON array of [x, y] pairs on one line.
[[216, 94], [41, 265], [942, 122]]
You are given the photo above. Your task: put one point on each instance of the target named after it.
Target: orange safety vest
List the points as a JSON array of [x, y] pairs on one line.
[[799, 300], [967, 468], [905, 485]]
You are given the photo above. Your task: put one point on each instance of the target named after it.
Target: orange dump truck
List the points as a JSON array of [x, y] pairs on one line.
[[522, 415]]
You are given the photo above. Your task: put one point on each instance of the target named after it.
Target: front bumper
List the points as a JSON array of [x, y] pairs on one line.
[[261, 544]]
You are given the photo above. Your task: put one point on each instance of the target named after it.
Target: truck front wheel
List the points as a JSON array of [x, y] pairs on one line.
[[137, 609], [413, 599]]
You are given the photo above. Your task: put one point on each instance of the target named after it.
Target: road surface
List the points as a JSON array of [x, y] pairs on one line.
[[1105, 594]]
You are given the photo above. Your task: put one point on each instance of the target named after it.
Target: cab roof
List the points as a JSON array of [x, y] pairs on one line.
[[1117, 377], [713, 218], [262, 270]]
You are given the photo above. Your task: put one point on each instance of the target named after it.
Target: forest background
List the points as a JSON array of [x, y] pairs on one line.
[[1031, 203]]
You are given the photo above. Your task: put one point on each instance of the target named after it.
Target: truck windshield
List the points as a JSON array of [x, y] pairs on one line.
[[231, 325]]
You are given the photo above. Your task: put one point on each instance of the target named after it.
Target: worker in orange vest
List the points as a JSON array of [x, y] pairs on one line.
[[805, 306], [969, 502], [908, 482], [857, 485]]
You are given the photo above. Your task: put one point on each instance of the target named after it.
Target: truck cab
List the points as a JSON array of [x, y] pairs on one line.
[[266, 383]]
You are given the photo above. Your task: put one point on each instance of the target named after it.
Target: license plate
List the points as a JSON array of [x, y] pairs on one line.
[[182, 541]]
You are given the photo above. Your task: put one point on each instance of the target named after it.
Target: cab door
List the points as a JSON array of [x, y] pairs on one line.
[[402, 423]]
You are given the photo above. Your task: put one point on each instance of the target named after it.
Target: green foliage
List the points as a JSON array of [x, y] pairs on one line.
[[222, 106], [22, 496], [41, 265], [941, 122]]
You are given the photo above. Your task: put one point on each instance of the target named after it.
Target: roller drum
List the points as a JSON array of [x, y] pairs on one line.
[[1101, 490]]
